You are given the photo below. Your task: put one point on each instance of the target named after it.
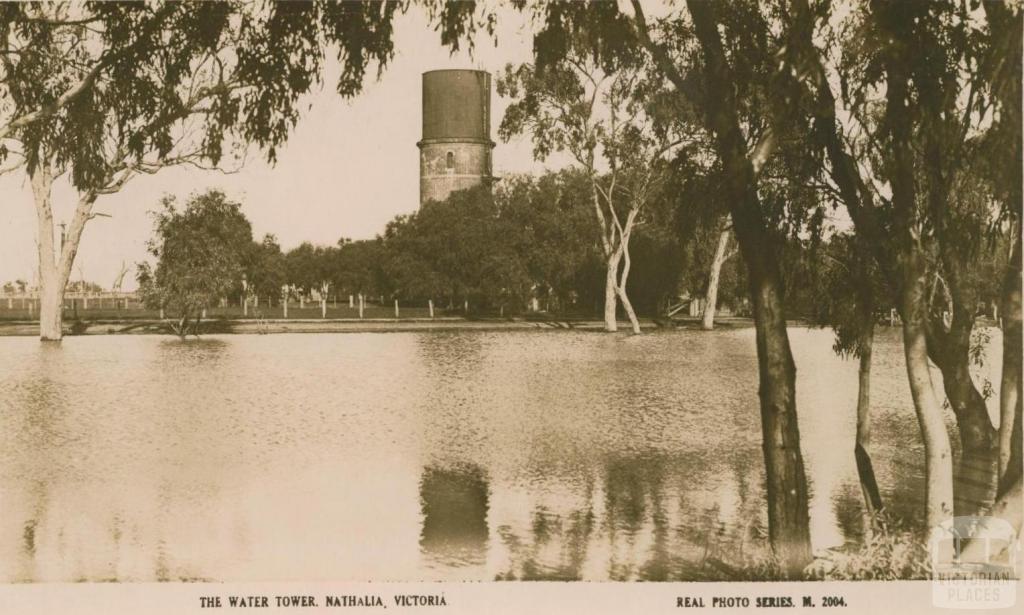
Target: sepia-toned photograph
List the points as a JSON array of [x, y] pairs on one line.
[[449, 306]]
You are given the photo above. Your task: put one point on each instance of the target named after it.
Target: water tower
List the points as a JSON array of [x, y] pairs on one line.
[[455, 152]]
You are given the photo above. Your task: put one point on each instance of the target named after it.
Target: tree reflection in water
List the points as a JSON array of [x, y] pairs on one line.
[[40, 430], [643, 517], [557, 549], [454, 501]]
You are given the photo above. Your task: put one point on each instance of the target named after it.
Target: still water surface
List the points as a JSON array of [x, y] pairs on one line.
[[408, 456]]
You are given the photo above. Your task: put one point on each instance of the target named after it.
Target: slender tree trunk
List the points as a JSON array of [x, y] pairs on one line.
[[620, 288], [610, 291], [938, 456], [1005, 26], [788, 524], [895, 23], [628, 307], [711, 301], [1010, 398], [865, 469]]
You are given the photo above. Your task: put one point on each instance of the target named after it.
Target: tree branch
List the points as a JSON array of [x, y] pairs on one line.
[[87, 82]]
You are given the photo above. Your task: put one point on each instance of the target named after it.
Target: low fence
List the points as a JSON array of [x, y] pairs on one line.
[[29, 301], [128, 305]]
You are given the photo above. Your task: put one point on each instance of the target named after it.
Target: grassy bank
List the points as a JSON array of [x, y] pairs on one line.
[[109, 311]]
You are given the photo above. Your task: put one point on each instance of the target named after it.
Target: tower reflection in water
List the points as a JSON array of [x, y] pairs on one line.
[[454, 501]]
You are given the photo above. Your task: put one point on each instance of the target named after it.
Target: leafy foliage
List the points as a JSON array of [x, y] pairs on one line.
[[104, 88], [846, 291], [265, 272], [497, 247], [200, 254], [889, 552]]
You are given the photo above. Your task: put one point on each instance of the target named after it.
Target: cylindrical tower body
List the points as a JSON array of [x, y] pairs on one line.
[[455, 152]]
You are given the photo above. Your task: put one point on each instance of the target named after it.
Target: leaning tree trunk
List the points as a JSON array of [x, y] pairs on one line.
[[951, 352], [610, 292], [786, 482], [634, 322], [938, 456], [620, 287], [976, 431], [975, 474], [895, 22], [788, 519], [861, 452], [1010, 399], [711, 300], [788, 526]]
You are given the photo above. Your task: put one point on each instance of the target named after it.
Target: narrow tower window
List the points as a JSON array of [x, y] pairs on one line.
[[450, 160]]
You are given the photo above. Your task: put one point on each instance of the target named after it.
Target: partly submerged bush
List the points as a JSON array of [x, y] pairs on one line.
[[889, 552]]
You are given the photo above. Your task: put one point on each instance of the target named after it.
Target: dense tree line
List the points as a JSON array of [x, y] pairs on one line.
[[524, 244]]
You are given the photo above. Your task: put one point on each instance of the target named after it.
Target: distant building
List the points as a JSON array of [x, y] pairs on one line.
[[455, 152]]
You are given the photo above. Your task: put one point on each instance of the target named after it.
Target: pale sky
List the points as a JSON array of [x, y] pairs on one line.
[[348, 168]]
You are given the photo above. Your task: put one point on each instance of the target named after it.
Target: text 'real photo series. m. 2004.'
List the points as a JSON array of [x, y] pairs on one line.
[[575, 291]]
